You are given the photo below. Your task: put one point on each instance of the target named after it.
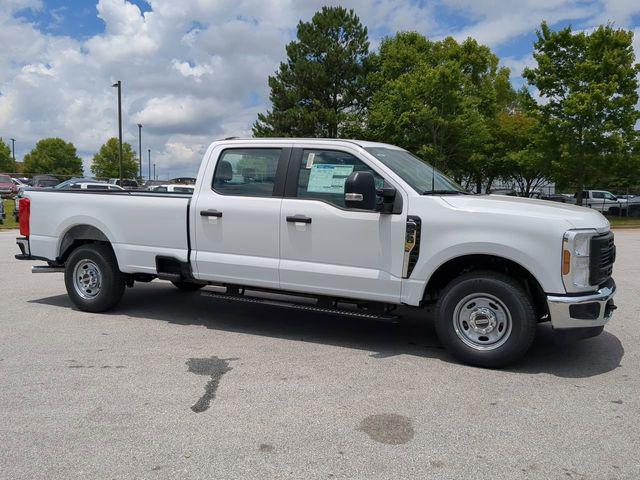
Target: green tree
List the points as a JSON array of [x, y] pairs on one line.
[[590, 89], [438, 99], [55, 156], [6, 159], [520, 148], [321, 90], [106, 162]]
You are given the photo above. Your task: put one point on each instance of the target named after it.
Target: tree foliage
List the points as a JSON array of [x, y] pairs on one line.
[[439, 99], [6, 159], [321, 89], [55, 156], [588, 82], [106, 162]]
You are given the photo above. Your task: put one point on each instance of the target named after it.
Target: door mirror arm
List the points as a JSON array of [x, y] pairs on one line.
[[388, 195]]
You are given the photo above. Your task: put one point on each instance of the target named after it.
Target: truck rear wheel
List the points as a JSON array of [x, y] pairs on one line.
[[486, 319], [94, 282]]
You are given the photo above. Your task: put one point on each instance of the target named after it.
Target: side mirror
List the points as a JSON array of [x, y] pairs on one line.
[[360, 191]]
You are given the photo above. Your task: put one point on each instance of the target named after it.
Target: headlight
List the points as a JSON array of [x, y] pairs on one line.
[[575, 260]]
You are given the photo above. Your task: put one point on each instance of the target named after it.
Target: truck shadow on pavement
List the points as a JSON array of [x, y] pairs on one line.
[[412, 335]]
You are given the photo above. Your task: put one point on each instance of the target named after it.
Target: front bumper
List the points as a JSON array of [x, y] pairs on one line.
[[593, 310]]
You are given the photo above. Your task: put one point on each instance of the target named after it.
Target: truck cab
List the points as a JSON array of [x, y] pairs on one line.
[[361, 227]]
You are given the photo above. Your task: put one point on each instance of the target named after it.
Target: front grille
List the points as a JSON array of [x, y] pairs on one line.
[[602, 255]]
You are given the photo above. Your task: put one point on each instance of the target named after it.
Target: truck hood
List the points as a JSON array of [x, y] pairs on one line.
[[577, 217]]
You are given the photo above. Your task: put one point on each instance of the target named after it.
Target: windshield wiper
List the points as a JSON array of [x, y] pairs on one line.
[[441, 192]]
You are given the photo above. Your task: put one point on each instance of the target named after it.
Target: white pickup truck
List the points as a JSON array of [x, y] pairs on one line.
[[603, 201], [358, 227]]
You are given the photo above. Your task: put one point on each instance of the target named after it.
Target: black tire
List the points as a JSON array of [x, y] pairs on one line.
[[188, 286], [112, 280], [512, 300]]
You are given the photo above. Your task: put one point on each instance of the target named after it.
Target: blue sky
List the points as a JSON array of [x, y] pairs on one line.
[[196, 70]]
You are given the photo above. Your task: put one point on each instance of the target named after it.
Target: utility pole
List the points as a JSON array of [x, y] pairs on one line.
[[149, 152], [140, 147], [118, 85], [155, 177], [13, 148]]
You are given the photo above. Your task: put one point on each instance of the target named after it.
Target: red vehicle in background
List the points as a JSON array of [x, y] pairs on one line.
[[7, 187]]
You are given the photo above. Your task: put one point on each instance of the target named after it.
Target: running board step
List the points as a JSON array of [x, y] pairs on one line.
[[300, 306], [172, 277]]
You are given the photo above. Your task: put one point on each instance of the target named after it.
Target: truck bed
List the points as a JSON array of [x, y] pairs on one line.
[[139, 225]]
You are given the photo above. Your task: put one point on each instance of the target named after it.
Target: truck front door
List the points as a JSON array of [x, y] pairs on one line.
[[327, 248]]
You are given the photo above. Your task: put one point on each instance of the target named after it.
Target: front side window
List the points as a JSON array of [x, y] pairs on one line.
[[323, 174], [246, 172]]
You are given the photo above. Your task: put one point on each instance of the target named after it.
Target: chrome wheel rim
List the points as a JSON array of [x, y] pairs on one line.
[[482, 321], [87, 279]]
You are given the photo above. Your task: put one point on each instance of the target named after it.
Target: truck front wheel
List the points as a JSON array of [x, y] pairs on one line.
[[486, 319], [94, 282]]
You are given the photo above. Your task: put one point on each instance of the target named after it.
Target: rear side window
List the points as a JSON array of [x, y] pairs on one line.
[[247, 172]]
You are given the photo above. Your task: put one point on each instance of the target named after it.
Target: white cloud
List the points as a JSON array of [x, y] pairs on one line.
[[196, 70]]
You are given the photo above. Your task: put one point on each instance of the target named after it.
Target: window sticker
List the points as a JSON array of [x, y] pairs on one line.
[[328, 178], [310, 158]]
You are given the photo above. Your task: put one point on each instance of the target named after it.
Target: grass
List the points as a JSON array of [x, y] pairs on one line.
[[9, 221], [624, 221]]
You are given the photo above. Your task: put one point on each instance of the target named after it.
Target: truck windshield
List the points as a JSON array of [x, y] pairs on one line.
[[421, 176]]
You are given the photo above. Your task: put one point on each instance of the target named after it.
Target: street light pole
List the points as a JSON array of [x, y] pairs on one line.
[[149, 152], [118, 85], [13, 148], [155, 177], [140, 147]]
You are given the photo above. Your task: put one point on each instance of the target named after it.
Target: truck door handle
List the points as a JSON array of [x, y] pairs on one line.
[[210, 213], [298, 219]]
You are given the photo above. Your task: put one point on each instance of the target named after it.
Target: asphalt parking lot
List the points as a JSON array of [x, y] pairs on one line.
[[176, 385]]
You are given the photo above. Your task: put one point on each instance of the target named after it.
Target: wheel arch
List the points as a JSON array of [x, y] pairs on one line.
[[456, 266], [77, 235]]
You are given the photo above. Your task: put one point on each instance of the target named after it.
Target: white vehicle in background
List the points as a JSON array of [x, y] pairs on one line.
[[125, 183], [95, 186], [603, 201], [173, 188], [361, 227]]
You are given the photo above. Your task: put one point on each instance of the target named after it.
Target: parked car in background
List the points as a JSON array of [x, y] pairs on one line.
[[603, 201], [44, 181], [510, 192], [150, 184], [76, 181], [7, 187], [183, 180], [555, 197], [172, 189], [125, 183], [94, 186], [19, 183]]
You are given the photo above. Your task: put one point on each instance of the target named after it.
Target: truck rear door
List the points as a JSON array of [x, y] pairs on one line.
[[236, 214]]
